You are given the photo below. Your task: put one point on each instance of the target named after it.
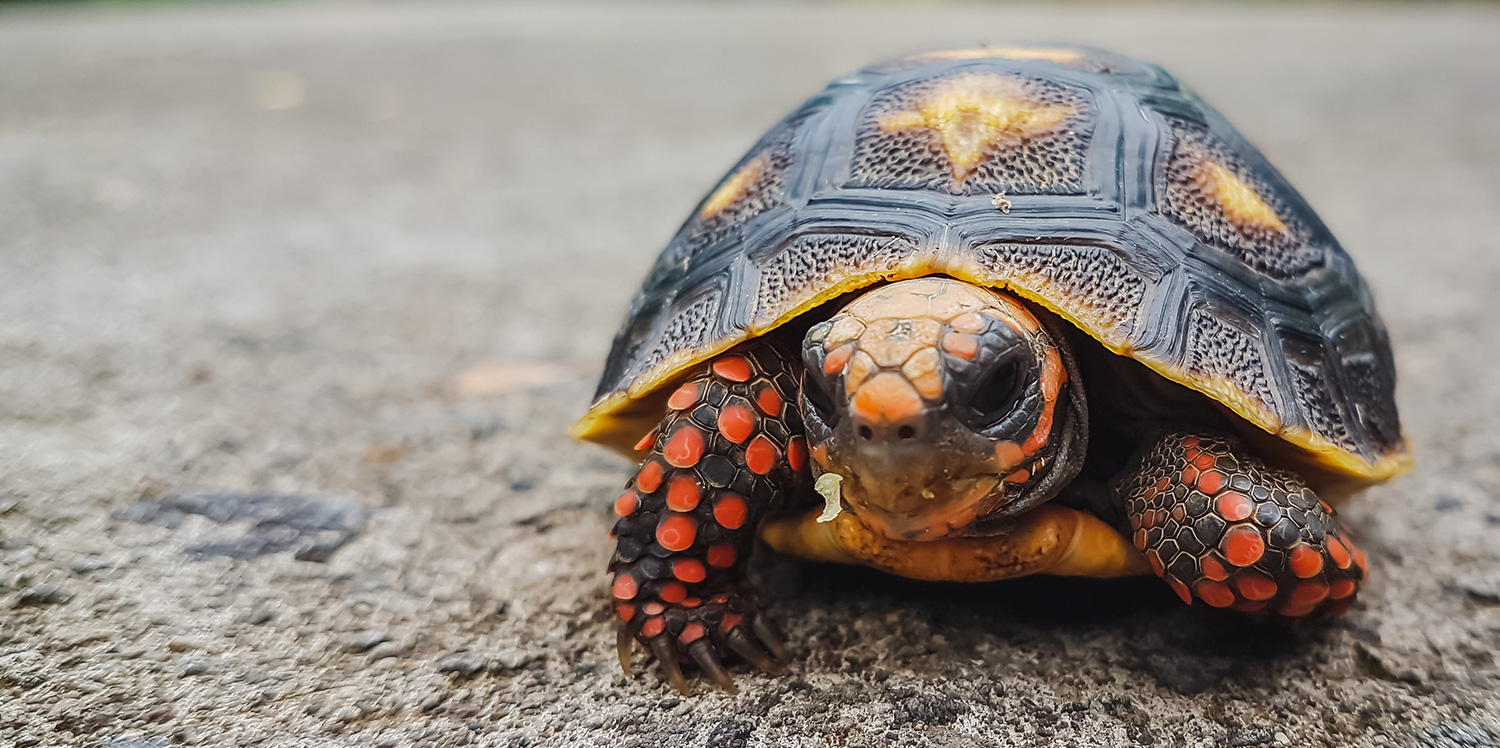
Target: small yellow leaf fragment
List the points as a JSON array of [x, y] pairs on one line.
[[827, 486]]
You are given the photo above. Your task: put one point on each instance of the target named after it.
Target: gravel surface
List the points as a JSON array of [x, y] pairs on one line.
[[297, 302]]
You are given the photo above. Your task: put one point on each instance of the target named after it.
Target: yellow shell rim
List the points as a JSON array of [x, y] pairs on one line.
[[619, 420]]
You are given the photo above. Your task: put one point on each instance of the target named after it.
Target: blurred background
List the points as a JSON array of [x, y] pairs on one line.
[[298, 299]]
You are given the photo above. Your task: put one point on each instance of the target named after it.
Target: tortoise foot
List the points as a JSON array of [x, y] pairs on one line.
[[728, 450], [1223, 528]]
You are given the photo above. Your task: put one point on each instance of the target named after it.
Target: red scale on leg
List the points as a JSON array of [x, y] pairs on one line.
[[1255, 586], [1338, 552], [1243, 545], [685, 447], [627, 503], [649, 479], [1304, 561], [683, 493], [1214, 570], [768, 401], [677, 532], [686, 396], [733, 368], [1234, 506], [761, 456], [736, 423], [796, 453], [1210, 482], [1214, 593], [731, 511], [689, 570], [721, 556], [712, 610]]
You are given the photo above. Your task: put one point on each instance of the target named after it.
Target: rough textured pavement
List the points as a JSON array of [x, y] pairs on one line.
[[296, 303]]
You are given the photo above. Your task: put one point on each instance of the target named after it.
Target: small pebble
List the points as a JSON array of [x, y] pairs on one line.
[[91, 563], [365, 641], [183, 645], [262, 614], [346, 714], [196, 667], [42, 595], [464, 663], [386, 649]]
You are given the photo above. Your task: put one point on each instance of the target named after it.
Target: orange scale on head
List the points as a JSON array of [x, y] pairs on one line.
[[733, 368], [653, 626], [731, 512], [961, 345], [761, 456], [685, 447], [721, 556], [1243, 545], [970, 322], [1020, 476], [836, 358], [1214, 593], [1009, 455], [736, 423], [683, 493]]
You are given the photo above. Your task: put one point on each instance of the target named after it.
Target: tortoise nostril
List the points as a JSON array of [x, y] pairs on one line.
[[866, 433], [906, 432]]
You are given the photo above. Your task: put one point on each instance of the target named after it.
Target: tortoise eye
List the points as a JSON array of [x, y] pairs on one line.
[[994, 399], [814, 389]]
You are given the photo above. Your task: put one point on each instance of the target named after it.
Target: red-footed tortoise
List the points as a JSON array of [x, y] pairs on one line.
[[1008, 311]]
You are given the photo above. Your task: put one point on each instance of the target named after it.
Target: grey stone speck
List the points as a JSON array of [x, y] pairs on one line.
[[43, 595], [465, 664]]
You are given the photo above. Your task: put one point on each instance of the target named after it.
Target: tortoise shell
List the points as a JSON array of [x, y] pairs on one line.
[[1089, 183]]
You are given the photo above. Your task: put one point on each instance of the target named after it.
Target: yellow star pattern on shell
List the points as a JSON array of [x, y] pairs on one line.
[[977, 112], [733, 188], [1241, 205]]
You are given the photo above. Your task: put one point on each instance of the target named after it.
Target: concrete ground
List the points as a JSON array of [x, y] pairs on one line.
[[297, 301]]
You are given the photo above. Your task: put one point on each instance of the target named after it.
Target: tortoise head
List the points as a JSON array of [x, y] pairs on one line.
[[939, 402]]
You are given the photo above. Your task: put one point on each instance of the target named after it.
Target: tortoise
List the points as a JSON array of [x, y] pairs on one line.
[[980, 313]]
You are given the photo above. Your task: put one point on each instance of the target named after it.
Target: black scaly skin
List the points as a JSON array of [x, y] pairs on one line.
[[685, 597], [1222, 527]]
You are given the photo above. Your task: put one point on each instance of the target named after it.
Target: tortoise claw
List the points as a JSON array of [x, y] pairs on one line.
[[703, 654], [623, 640], [769, 637], [742, 645], [666, 654]]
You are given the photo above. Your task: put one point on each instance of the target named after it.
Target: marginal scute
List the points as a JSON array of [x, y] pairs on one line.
[[812, 263], [975, 133], [1089, 283], [1212, 193], [1219, 353]]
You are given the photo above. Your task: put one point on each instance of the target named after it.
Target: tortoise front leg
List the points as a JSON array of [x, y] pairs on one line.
[[1221, 526], [729, 448]]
